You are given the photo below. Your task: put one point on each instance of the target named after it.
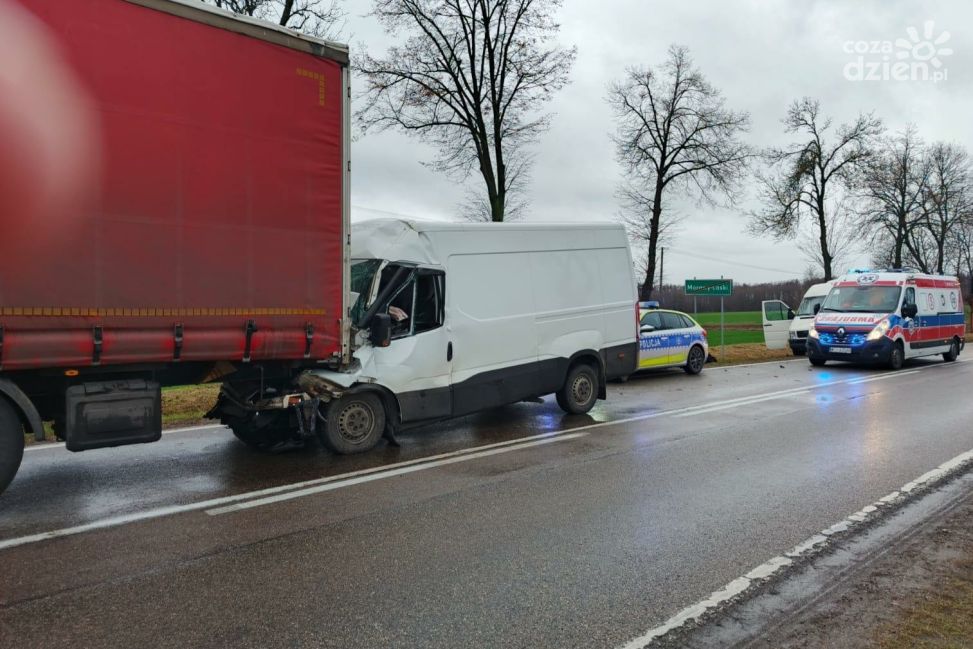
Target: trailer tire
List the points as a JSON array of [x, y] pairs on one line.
[[580, 390], [260, 436], [355, 423], [11, 443]]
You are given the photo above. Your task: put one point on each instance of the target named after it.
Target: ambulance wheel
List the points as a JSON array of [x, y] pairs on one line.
[[817, 361], [580, 390], [355, 423], [11, 443], [953, 352], [897, 356], [695, 360]]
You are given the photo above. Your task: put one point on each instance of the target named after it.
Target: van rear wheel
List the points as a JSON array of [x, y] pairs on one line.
[[11, 443], [580, 390], [953, 352], [355, 423]]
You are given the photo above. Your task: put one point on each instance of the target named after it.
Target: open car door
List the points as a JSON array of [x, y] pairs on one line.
[[777, 318]]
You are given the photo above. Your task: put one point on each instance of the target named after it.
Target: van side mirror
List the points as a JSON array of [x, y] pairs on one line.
[[646, 329], [380, 332], [910, 310], [817, 307], [790, 314]]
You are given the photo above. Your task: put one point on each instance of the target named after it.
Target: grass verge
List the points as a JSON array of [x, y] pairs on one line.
[[940, 619]]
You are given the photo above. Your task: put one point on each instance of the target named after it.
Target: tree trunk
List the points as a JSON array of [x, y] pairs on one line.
[[649, 284], [825, 252]]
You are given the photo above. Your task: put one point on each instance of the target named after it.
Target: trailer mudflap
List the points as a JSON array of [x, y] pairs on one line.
[[112, 413]]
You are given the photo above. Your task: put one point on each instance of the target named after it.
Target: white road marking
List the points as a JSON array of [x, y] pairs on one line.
[[812, 545], [511, 445], [745, 401], [350, 482], [219, 503], [780, 361], [43, 446]]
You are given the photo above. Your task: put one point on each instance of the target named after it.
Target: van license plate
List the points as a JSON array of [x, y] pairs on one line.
[[840, 350]]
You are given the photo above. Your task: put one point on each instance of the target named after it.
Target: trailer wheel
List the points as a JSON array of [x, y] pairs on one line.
[[261, 431], [355, 423], [580, 390], [11, 443]]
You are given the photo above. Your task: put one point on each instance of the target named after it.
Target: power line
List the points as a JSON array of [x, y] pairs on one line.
[[734, 263]]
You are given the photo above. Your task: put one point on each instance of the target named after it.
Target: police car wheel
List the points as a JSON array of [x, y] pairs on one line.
[[817, 361], [896, 357], [953, 352], [580, 390], [695, 360]]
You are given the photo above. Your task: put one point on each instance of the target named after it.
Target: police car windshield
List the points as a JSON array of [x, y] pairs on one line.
[[862, 299]]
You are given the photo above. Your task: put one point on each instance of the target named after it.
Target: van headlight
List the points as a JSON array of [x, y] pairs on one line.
[[812, 332], [880, 330]]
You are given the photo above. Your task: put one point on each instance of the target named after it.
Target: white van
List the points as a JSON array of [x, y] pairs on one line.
[[480, 315], [888, 317], [783, 327]]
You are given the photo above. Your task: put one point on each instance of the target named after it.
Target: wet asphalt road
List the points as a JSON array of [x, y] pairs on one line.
[[585, 534]]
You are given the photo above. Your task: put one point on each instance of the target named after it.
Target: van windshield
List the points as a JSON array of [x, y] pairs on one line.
[[808, 304], [863, 299], [362, 275]]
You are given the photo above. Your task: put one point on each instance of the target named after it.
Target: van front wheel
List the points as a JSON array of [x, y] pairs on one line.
[[580, 390], [897, 356], [355, 423]]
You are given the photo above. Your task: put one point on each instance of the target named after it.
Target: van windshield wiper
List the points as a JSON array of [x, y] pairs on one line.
[[827, 308]]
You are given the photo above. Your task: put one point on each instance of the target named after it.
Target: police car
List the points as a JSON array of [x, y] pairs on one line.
[[887, 317], [670, 339]]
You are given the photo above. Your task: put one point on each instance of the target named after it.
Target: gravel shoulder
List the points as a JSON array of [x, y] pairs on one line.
[[919, 594]]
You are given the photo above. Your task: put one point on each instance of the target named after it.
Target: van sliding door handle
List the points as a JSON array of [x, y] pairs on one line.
[[449, 352]]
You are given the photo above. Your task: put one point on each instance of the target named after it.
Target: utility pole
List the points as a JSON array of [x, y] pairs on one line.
[[662, 263]]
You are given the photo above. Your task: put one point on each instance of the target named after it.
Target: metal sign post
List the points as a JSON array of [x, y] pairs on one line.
[[722, 332], [713, 287]]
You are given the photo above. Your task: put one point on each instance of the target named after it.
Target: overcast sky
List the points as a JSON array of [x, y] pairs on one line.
[[761, 54]]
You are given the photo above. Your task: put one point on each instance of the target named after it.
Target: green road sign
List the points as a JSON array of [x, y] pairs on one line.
[[717, 287]]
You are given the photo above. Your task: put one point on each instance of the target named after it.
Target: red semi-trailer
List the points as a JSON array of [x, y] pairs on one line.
[[211, 238], [186, 220]]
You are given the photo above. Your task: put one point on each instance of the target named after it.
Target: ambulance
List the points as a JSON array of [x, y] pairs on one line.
[[887, 317]]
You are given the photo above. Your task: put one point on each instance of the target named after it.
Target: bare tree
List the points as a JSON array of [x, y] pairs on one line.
[[843, 234], [674, 130], [320, 18], [636, 215], [804, 174], [948, 198], [470, 79], [893, 192]]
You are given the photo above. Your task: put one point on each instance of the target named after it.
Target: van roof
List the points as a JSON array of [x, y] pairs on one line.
[[432, 242], [898, 278]]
